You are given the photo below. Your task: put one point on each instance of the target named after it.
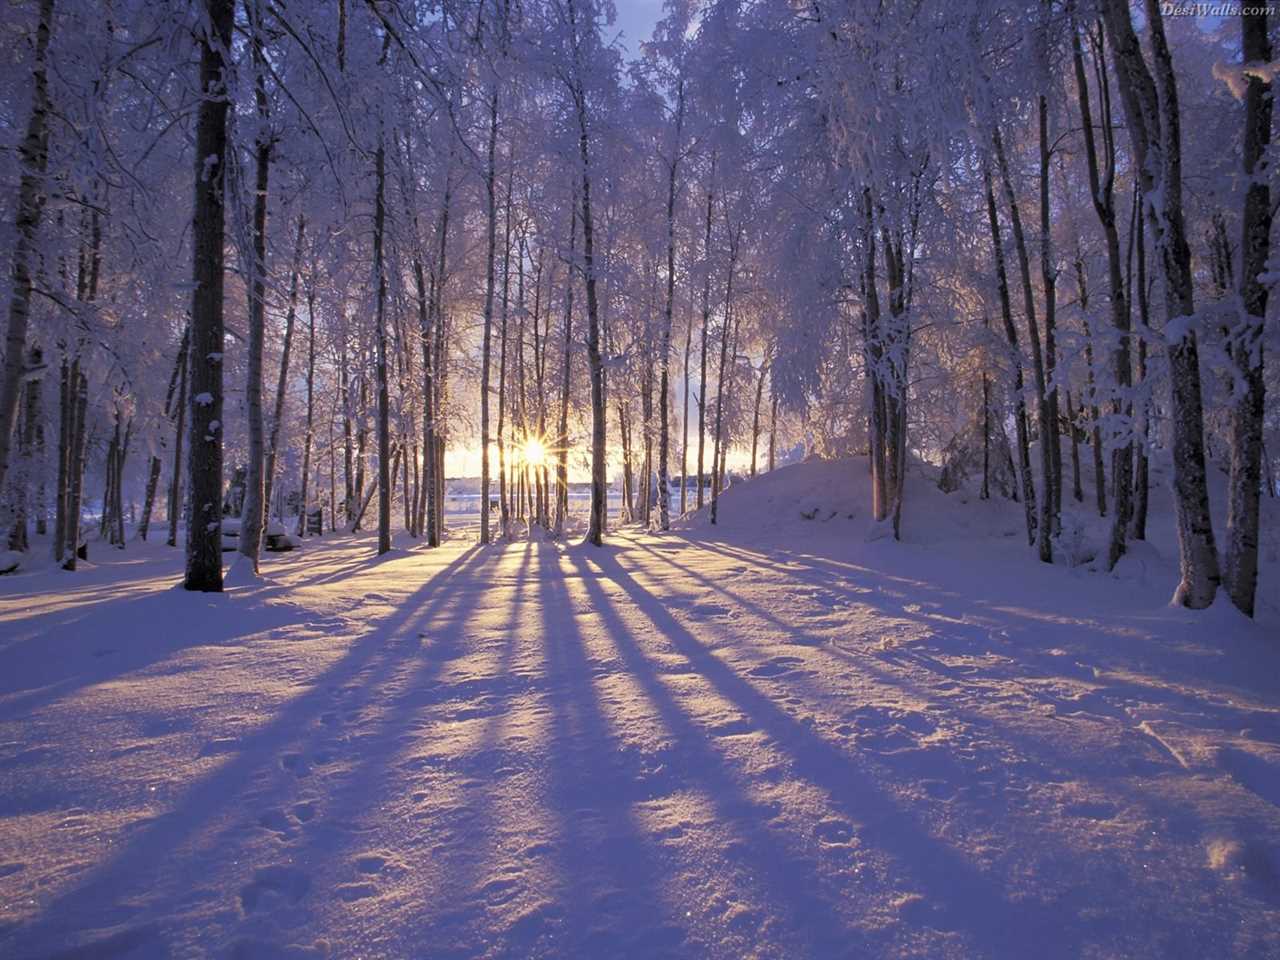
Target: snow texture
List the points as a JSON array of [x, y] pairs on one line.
[[768, 738]]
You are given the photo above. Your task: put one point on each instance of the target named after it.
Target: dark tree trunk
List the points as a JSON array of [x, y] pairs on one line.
[[1240, 570], [204, 463], [1019, 389], [33, 156], [1151, 106]]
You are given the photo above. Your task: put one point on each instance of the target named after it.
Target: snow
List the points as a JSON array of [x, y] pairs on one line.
[[767, 738]]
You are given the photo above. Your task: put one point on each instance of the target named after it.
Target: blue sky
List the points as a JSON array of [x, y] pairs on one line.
[[635, 21]]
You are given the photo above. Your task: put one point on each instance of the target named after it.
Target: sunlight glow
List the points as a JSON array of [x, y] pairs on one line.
[[534, 453]]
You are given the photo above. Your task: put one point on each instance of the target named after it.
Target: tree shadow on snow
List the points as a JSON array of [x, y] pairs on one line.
[[179, 843]]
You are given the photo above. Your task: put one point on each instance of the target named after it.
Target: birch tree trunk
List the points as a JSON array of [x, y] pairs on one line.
[[706, 326], [1240, 571], [491, 214], [599, 477], [171, 394], [1101, 188], [684, 421], [204, 463], [254, 513], [282, 382], [1048, 283], [308, 435], [504, 512], [1151, 106], [385, 468], [33, 156], [1019, 386], [1046, 524], [562, 440], [755, 420], [180, 420], [1095, 417], [1141, 483], [726, 337], [664, 361]]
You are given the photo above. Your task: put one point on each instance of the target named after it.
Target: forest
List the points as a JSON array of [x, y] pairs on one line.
[[859, 229], [703, 399]]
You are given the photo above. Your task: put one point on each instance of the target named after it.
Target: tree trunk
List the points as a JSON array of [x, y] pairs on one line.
[[171, 394], [204, 463], [1095, 416], [1240, 571], [562, 441], [273, 445], [773, 421], [1077, 490], [75, 470], [1046, 525], [491, 213], [664, 362], [721, 381], [684, 421], [503, 507], [180, 420], [706, 328], [254, 513], [1151, 107], [1101, 184], [755, 420], [309, 434], [1019, 389], [1048, 281], [386, 471], [1142, 471], [595, 363], [33, 157]]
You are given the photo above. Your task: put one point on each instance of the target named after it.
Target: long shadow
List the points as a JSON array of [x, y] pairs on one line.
[[91, 902], [789, 881], [1243, 667], [963, 898], [728, 594], [612, 892], [95, 645], [406, 700], [973, 633]]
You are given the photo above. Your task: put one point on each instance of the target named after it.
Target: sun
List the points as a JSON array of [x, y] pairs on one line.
[[534, 453]]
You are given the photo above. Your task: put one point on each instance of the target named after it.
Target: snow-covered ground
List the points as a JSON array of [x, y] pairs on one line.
[[770, 738]]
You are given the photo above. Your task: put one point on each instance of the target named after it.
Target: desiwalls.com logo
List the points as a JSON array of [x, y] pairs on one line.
[[1213, 10]]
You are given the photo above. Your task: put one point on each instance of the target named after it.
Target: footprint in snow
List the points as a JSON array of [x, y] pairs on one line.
[[500, 891], [304, 811], [270, 882], [709, 610], [219, 746], [1090, 810], [370, 863], [834, 832], [776, 667], [732, 728], [296, 764], [277, 822]]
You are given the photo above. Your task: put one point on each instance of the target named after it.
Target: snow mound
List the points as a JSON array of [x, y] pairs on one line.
[[823, 498]]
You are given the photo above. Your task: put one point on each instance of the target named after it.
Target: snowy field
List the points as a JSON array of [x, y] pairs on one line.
[[770, 738]]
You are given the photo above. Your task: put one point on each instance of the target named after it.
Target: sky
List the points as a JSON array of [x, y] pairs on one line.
[[636, 19]]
